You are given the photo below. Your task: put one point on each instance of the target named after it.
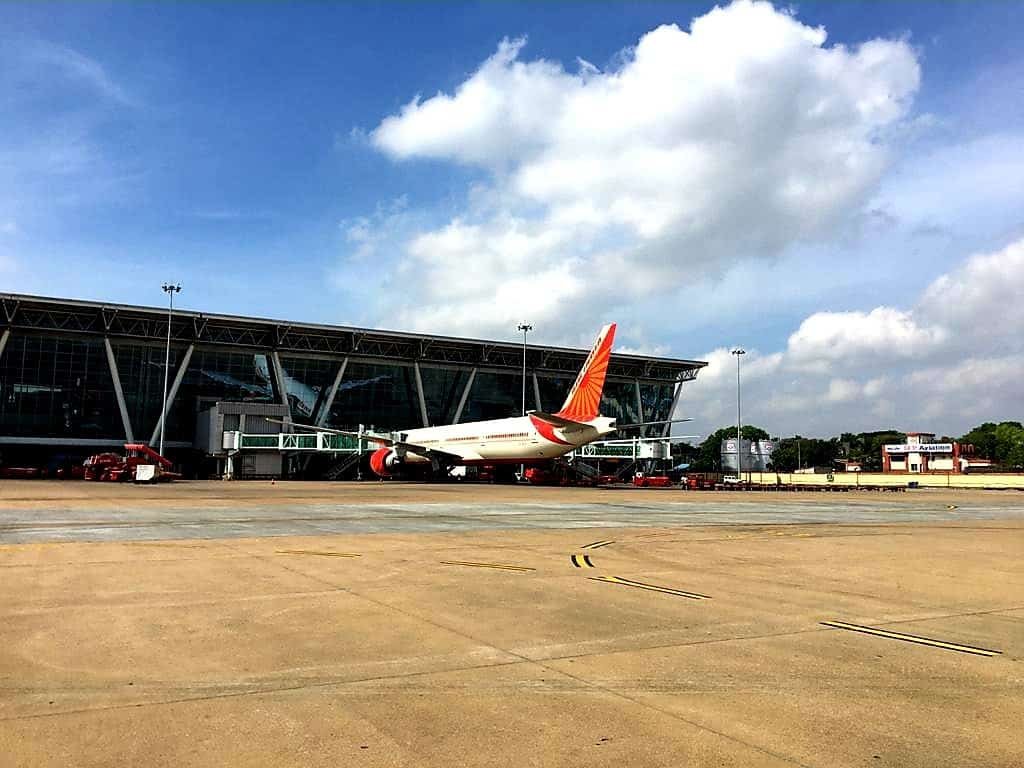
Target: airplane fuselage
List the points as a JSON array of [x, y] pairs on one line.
[[521, 439]]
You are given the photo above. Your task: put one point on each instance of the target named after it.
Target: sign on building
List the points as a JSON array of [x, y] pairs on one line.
[[757, 455], [919, 448]]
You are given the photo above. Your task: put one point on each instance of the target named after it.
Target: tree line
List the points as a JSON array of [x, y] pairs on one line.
[[1002, 443]]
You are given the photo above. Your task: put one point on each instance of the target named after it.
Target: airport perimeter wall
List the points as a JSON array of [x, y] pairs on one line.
[[879, 479]]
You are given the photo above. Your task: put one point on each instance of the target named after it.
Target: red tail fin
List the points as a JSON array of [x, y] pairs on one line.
[[584, 400]]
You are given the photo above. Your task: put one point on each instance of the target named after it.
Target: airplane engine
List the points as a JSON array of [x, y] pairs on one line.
[[385, 462]]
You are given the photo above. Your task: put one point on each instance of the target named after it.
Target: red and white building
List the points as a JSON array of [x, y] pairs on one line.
[[921, 455]]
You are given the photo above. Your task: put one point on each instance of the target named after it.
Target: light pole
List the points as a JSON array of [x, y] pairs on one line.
[[738, 351], [170, 289], [525, 329]]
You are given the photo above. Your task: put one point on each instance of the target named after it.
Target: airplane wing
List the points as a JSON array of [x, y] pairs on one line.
[[560, 421], [652, 423], [387, 442]]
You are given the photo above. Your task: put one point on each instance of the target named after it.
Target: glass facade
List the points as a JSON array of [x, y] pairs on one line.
[[619, 402], [376, 394], [553, 391], [141, 369], [442, 390], [307, 381], [213, 375], [657, 400], [61, 387], [496, 396]]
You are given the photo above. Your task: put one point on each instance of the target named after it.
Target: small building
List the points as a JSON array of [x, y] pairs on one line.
[[920, 455], [849, 465]]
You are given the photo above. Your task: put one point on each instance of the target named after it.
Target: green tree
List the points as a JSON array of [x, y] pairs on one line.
[[866, 447], [983, 438], [1003, 443], [793, 452], [709, 457]]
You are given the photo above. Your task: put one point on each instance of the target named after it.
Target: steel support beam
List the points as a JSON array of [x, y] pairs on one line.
[[419, 392], [640, 408], [178, 378], [325, 410], [97, 442], [465, 397], [3, 340], [116, 378], [32, 313], [666, 431], [536, 393], [279, 382]]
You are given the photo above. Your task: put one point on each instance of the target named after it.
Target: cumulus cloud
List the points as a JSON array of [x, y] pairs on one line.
[[733, 139], [825, 338], [954, 359]]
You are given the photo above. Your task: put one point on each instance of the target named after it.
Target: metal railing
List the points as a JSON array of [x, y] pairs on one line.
[[317, 442]]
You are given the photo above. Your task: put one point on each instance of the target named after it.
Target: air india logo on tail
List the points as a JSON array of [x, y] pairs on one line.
[[584, 400]]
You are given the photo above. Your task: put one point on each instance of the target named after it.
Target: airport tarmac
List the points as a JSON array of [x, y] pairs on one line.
[[402, 625], [190, 510]]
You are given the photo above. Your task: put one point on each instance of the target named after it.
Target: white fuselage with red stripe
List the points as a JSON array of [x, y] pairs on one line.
[[521, 439]]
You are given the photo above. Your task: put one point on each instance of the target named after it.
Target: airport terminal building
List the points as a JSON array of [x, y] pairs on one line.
[[80, 376]]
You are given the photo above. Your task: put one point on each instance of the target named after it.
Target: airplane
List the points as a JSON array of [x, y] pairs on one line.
[[535, 437]]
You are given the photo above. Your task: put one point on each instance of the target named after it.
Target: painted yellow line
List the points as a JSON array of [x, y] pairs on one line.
[[651, 587], [596, 544], [502, 566], [311, 552], [582, 561], [912, 638]]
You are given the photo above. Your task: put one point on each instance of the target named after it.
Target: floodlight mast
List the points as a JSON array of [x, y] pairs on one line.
[[170, 289], [739, 352], [525, 328]]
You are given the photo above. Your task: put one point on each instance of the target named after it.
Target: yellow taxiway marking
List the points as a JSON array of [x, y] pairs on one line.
[[312, 552], [596, 544], [912, 638], [582, 561], [502, 566], [651, 587]]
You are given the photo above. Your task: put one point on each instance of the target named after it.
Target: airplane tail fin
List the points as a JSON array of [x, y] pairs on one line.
[[584, 400]]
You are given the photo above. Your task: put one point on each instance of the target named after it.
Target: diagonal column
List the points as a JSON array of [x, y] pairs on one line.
[[279, 382], [116, 378], [640, 408], [465, 397], [178, 378], [666, 431], [325, 410], [419, 392]]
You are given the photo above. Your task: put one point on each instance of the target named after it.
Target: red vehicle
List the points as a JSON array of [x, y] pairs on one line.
[[651, 481], [556, 475], [113, 467], [19, 473]]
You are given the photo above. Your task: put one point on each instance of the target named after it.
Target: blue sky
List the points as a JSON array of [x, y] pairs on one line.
[[241, 149]]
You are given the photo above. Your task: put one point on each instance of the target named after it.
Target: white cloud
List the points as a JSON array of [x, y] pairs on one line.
[[983, 298], [827, 338], [955, 360], [697, 148]]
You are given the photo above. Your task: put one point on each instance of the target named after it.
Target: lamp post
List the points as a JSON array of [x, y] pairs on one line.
[[525, 329], [170, 289], [738, 351]]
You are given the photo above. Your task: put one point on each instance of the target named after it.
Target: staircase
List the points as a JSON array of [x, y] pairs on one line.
[[341, 466]]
